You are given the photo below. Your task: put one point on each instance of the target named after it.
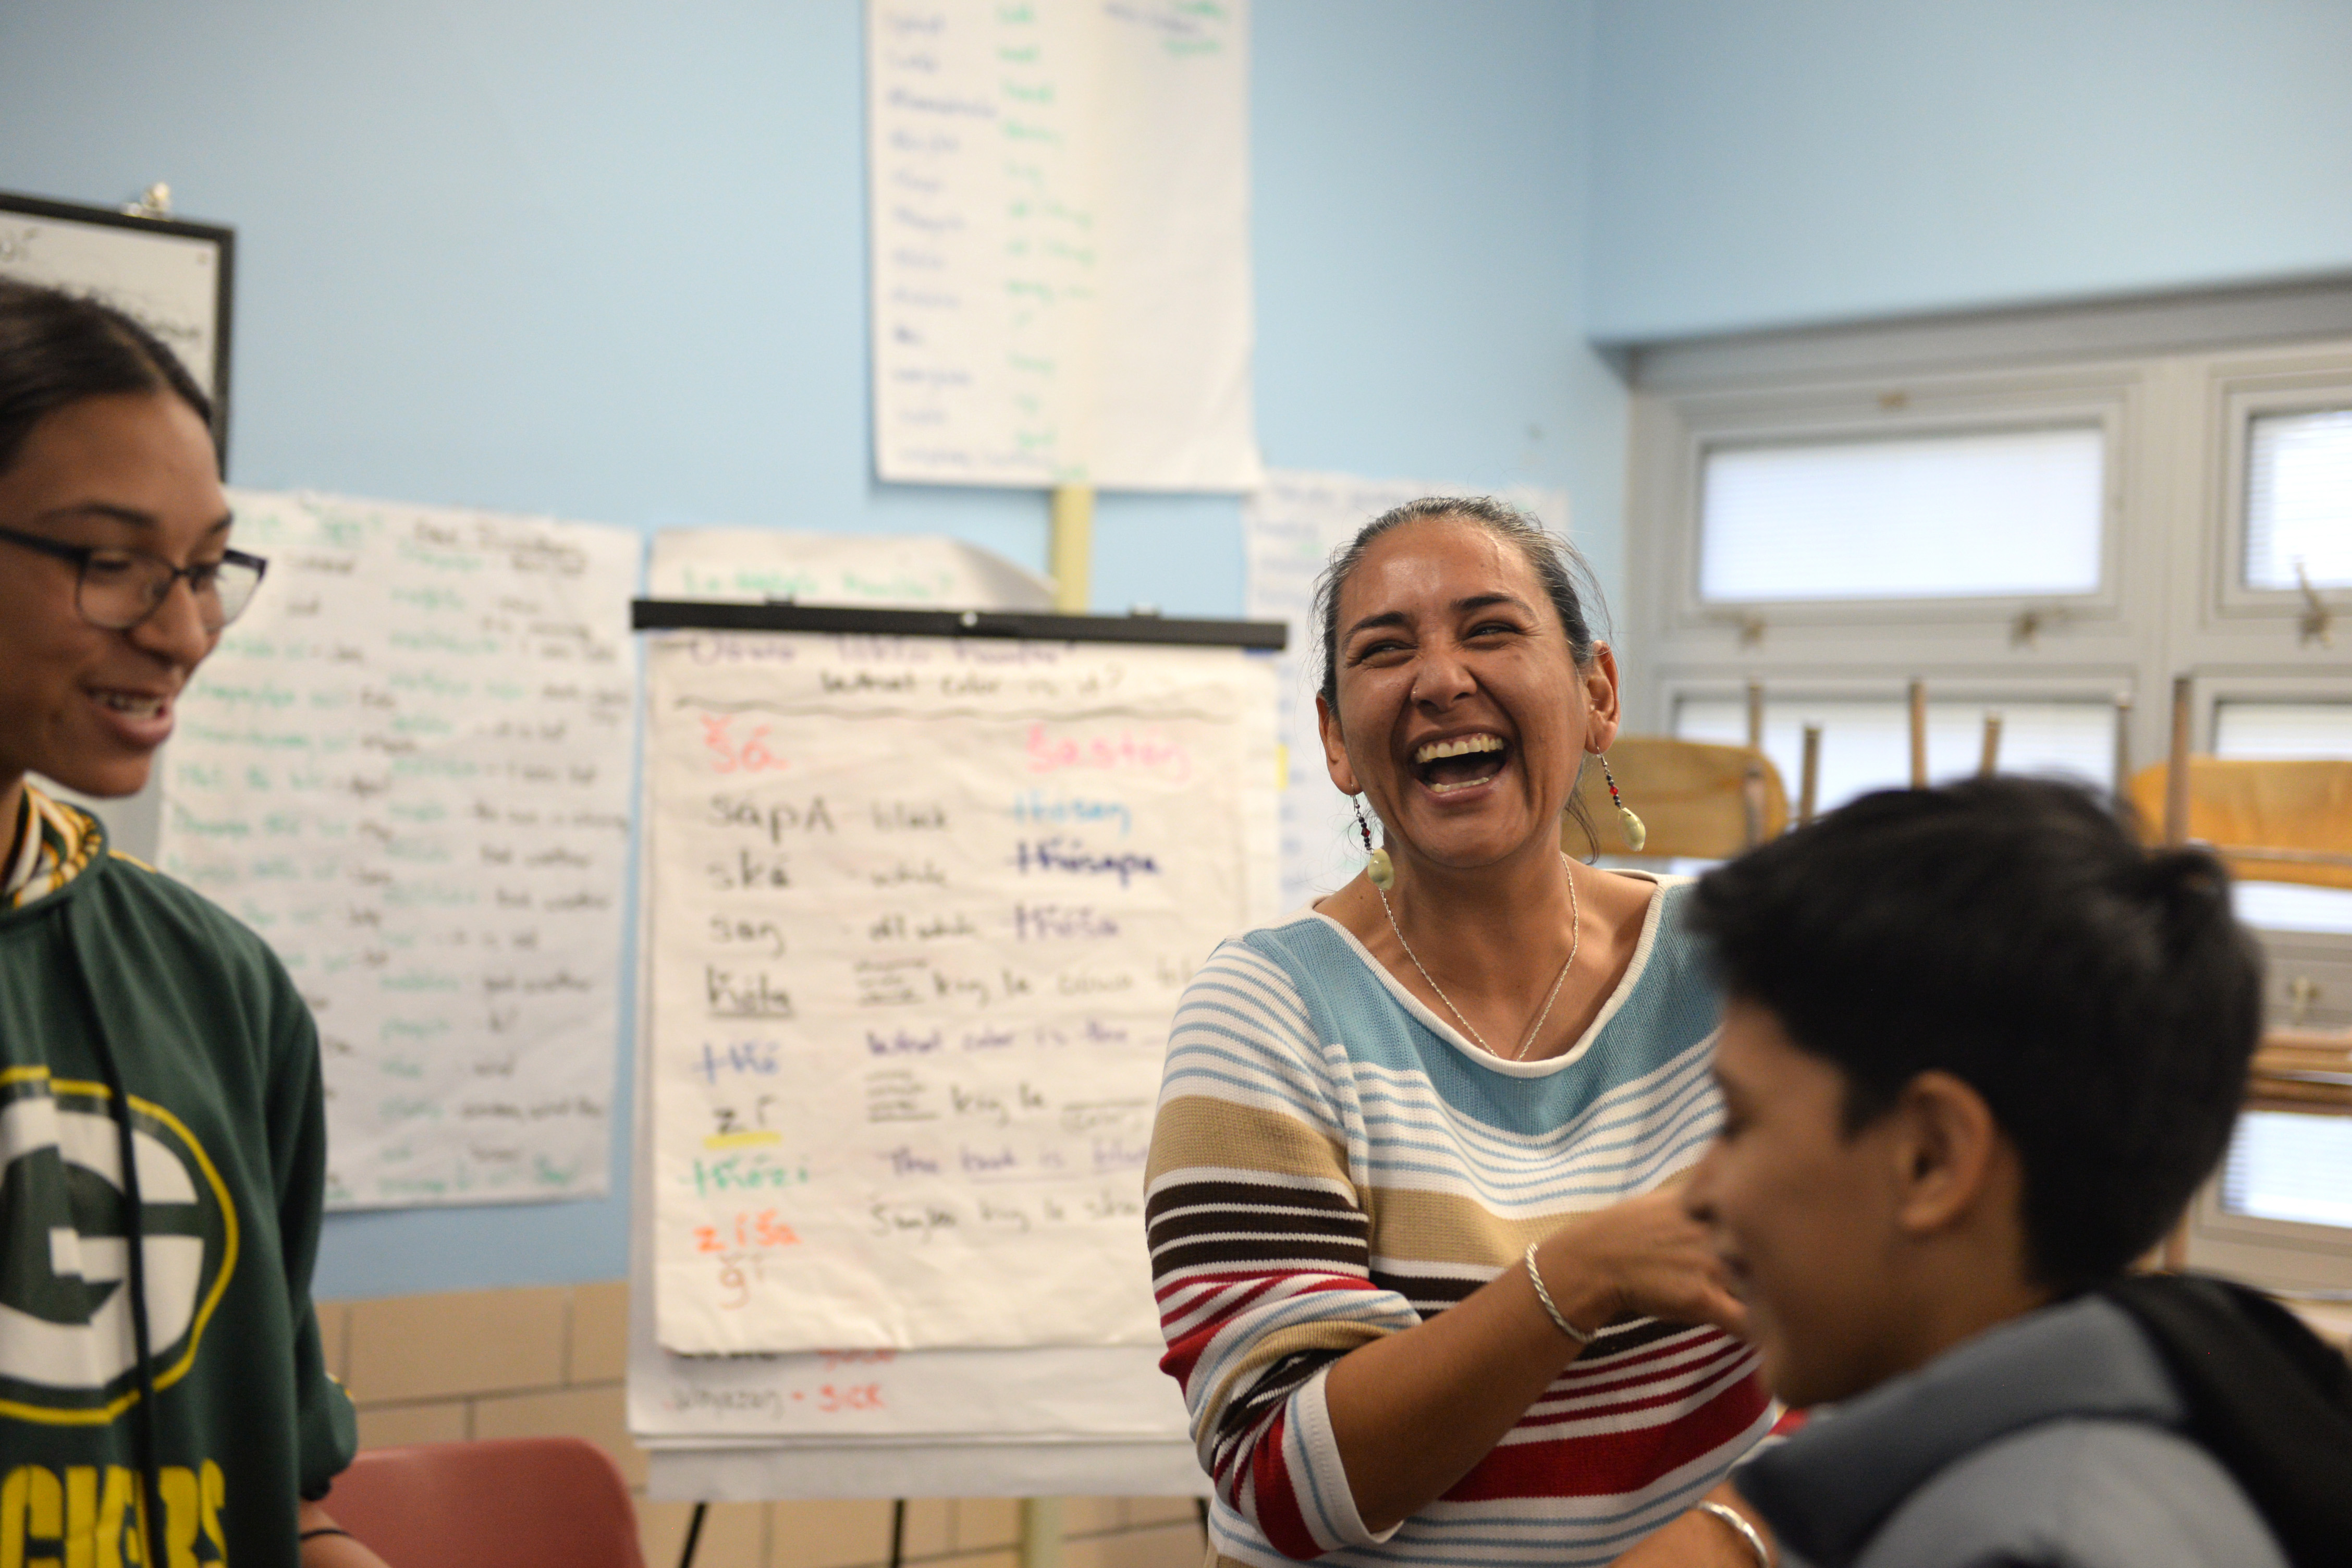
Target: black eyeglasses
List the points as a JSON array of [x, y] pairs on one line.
[[120, 588]]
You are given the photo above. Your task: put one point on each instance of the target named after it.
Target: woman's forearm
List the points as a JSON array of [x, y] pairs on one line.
[[324, 1546], [1413, 1412]]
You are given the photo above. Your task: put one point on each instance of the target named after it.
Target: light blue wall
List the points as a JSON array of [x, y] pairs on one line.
[[608, 261], [1770, 161]]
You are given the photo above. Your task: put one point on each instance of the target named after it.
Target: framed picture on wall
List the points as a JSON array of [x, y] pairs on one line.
[[174, 278]]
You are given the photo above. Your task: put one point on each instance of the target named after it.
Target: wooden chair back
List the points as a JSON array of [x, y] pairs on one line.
[[2269, 821], [1699, 801]]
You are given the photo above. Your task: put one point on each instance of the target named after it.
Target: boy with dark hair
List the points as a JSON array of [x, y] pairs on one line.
[[1980, 1049]]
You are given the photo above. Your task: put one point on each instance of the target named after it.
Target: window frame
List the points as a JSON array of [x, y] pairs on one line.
[[2240, 393], [2179, 378], [1860, 414]]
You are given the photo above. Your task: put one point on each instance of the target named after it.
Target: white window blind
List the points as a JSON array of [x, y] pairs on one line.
[[2308, 729], [2288, 1166], [2299, 498], [2002, 512], [1866, 745]]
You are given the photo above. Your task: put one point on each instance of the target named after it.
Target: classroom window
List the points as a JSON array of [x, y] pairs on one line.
[[2036, 514], [2299, 498], [1866, 744], [1941, 515], [2290, 1167]]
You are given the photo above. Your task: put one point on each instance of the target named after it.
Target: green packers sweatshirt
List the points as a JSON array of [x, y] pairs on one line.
[[218, 1059]]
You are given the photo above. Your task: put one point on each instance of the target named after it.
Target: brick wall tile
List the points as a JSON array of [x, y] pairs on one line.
[[334, 1318], [599, 1413], [734, 1534], [600, 1332], [1170, 1546], [987, 1523], [931, 1526], [831, 1532], [1150, 1510], [464, 1342], [397, 1426], [1092, 1515]]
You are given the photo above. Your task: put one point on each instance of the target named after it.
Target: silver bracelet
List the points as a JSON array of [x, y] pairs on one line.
[[1551, 1308], [1732, 1517]]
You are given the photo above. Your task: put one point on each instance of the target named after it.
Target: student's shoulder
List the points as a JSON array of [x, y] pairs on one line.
[[2079, 1492], [152, 915]]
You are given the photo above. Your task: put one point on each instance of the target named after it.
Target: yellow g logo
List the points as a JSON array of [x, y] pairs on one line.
[[66, 1343]]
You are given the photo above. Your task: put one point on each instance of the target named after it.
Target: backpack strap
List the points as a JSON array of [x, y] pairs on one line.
[[2266, 1397]]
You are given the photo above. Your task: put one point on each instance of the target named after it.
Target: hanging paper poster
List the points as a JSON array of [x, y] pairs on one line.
[[407, 766]]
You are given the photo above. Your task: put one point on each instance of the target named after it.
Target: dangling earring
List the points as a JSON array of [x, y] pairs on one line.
[[1635, 833], [1377, 864]]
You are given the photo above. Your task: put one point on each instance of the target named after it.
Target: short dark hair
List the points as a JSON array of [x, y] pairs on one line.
[[58, 347], [2013, 932]]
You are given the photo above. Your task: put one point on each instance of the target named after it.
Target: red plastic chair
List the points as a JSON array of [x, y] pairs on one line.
[[519, 1503]]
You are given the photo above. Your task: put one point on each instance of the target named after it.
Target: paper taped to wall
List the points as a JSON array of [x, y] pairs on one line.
[[920, 909], [1059, 203], [407, 767]]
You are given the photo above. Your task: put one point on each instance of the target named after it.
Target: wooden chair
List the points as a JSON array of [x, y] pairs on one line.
[[522, 1502], [2271, 821], [1699, 801]]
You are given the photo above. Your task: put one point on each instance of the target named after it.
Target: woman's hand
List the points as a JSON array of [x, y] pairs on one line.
[[1644, 1257], [1412, 1412]]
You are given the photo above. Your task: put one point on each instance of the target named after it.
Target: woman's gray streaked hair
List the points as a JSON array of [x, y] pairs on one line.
[[1567, 579], [1566, 576]]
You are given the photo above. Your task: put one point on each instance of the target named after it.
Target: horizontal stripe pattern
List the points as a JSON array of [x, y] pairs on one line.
[[1331, 1165]]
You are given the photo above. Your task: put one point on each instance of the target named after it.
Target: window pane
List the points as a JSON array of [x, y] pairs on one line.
[[2299, 498], [2289, 730], [2283, 1165], [2304, 729], [1940, 516], [1866, 745]]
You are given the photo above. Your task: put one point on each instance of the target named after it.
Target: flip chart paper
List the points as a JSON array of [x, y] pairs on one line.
[[1060, 237], [921, 909], [407, 766], [901, 572], [1291, 528]]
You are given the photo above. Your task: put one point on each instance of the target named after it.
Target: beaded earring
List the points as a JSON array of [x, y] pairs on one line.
[[1377, 864], [1636, 835]]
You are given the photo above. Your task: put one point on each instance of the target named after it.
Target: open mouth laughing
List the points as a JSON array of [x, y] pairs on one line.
[[1460, 762]]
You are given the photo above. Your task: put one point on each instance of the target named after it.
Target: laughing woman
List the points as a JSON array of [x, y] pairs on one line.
[[1418, 1268], [163, 1397]]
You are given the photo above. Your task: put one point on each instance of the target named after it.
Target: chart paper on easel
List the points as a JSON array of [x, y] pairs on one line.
[[921, 912]]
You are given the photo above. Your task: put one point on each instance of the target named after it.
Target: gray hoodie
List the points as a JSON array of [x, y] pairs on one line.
[[2052, 1441]]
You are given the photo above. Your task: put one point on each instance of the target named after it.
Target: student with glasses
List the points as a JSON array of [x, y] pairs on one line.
[[164, 1397]]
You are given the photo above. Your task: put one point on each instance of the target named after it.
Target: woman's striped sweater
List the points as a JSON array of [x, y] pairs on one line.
[[1332, 1164]]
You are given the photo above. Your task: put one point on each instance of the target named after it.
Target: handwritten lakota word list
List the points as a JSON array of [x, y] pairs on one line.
[[407, 767], [1057, 241], [923, 909]]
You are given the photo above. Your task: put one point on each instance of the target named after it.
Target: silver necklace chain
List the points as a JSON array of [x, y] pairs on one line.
[[1575, 940]]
